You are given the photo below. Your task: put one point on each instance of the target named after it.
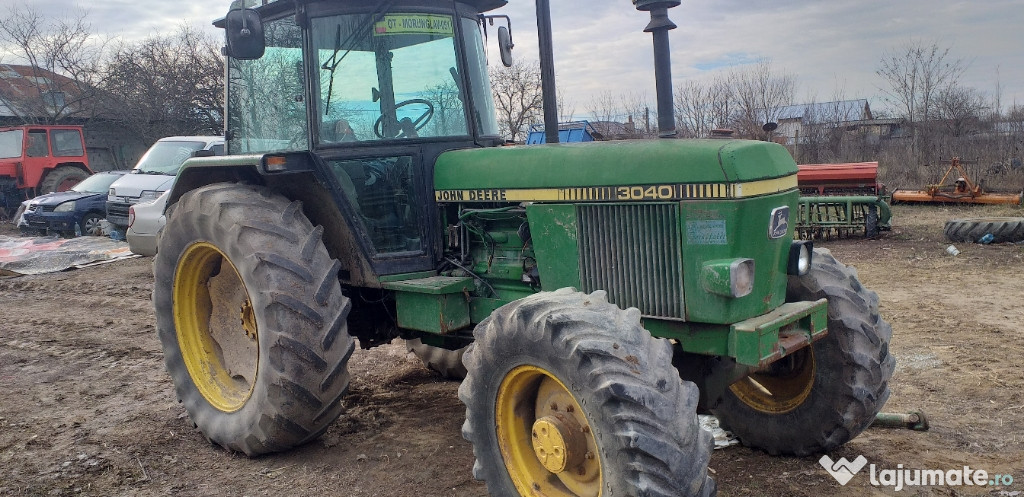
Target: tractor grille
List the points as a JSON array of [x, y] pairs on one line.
[[632, 252]]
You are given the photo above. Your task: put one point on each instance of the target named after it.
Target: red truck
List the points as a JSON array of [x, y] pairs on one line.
[[37, 159]]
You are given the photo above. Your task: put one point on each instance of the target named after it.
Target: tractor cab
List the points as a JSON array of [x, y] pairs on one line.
[[379, 92], [375, 73]]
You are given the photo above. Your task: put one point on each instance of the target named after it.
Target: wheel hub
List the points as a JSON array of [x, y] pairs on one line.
[[545, 439], [558, 442], [248, 319], [220, 353]]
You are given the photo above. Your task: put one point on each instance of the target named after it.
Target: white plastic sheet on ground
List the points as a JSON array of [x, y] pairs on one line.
[[723, 438], [21, 255]]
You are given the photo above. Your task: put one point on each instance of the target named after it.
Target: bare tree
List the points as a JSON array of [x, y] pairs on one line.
[[167, 85], [915, 74], [702, 106], [449, 114], [605, 107], [518, 99], [759, 94], [63, 60], [960, 110], [627, 115]]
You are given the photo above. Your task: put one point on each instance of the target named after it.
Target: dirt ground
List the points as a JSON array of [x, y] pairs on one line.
[[87, 409]]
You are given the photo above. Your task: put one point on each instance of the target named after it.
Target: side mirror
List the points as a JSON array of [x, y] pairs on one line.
[[505, 46], [245, 36]]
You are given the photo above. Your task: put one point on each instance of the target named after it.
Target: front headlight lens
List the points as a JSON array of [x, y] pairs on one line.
[[741, 281], [65, 207], [149, 196], [800, 257], [728, 277]]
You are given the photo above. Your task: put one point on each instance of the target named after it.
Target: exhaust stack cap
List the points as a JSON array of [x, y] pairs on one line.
[[649, 5]]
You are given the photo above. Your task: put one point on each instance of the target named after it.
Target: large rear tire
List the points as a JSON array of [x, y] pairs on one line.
[[251, 318], [824, 395], [567, 395], [447, 363], [61, 179], [1002, 229]]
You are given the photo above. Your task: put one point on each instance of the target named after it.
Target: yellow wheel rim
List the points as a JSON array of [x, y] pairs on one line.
[[784, 386], [217, 331], [545, 439]]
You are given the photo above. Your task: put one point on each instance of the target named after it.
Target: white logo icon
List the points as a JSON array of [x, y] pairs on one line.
[[843, 470]]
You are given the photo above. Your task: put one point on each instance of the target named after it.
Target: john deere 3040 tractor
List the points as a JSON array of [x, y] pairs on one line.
[[594, 295]]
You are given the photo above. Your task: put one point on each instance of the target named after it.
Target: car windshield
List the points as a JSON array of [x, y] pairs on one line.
[[97, 183], [167, 157], [10, 143]]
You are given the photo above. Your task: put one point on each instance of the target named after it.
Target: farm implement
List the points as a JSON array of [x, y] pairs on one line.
[[841, 200], [961, 190]]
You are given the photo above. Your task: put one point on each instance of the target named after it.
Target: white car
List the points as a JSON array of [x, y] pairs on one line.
[[155, 173], [145, 220]]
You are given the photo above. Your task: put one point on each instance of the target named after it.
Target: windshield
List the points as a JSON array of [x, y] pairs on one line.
[[10, 143], [167, 157], [97, 183], [388, 76]]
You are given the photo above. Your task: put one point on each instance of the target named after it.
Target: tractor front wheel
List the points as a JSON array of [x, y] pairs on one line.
[[826, 394], [567, 395], [251, 318]]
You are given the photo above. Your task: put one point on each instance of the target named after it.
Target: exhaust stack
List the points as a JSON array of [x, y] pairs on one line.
[[659, 27]]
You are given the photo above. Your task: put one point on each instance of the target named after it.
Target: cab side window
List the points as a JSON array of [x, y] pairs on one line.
[[37, 146]]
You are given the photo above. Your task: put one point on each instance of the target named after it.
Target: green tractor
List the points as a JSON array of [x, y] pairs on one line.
[[594, 296]]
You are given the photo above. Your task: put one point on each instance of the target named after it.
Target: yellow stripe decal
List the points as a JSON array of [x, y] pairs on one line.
[[622, 193]]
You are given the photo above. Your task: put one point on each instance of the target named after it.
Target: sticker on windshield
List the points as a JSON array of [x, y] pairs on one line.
[[413, 24]]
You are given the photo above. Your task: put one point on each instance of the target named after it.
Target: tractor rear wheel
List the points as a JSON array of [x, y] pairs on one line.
[[826, 394], [61, 179], [447, 363], [1002, 229], [251, 318], [567, 395]]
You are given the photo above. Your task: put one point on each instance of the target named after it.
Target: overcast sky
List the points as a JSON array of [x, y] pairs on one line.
[[833, 48]]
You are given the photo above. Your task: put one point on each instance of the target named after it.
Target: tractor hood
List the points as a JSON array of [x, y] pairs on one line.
[[615, 170]]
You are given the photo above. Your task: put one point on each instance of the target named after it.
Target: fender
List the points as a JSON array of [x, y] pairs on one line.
[[296, 178]]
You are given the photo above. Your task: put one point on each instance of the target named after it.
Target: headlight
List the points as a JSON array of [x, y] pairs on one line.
[[800, 253], [149, 196], [728, 277], [65, 207], [111, 193]]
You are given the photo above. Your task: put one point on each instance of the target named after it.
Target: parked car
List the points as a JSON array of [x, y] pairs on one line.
[[145, 220], [77, 211], [155, 173]]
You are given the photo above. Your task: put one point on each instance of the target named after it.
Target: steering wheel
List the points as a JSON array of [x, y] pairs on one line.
[[407, 127]]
